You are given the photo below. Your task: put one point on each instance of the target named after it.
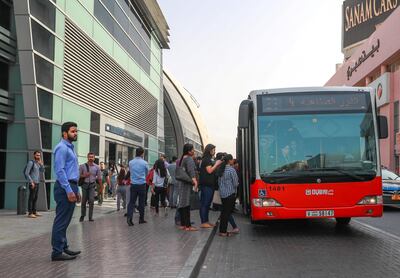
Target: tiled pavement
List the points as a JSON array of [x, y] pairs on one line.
[[15, 228], [109, 249], [303, 249]]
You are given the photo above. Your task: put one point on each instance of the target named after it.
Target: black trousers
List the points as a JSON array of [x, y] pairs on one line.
[[137, 191], [33, 196], [185, 216], [160, 195], [228, 204]]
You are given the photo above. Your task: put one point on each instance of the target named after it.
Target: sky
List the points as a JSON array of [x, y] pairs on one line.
[[220, 50]]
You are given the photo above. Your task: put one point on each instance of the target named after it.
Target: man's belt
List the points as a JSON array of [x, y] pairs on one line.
[[73, 182]]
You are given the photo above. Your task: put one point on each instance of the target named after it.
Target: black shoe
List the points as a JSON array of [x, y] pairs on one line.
[[71, 253], [91, 219], [129, 221], [81, 218], [142, 221], [63, 257], [125, 215]]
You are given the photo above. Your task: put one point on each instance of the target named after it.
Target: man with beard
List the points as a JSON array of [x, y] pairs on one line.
[[66, 192], [91, 173]]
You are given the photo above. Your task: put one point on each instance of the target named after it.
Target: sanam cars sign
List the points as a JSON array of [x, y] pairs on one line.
[[361, 16]]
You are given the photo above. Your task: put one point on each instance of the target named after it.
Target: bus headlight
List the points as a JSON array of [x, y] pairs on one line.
[[267, 202], [371, 200]]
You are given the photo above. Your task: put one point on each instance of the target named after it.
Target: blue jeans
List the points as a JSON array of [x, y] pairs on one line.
[[64, 212], [206, 196], [137, 190]]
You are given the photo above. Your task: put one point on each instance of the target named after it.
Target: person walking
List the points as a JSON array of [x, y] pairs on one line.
[[184, 188], [127, 182], [66, 192], [102, 186], [112, 173], [207, 183], [139, 169], [32, 172], [91, 173], [171, 186], [121, 189], [158, 186], [228, 182]]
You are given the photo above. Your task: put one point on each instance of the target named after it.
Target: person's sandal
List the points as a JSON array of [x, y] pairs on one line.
[[227, 234], [206, 226], [191, 229], [235, 231]]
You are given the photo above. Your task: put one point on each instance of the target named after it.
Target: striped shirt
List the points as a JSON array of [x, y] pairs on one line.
[[228, 182]]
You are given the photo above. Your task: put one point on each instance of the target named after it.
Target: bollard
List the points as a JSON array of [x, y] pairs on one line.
[[21, 200]]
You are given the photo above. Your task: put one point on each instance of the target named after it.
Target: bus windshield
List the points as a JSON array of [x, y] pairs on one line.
[[304, 143]]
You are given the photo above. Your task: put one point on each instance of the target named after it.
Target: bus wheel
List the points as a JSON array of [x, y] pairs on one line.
[[343, 221]]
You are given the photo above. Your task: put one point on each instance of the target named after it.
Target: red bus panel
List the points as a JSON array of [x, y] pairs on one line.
[[324, 200]]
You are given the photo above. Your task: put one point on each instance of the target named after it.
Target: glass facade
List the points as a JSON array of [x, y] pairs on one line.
[[120, 32], [122, 21], [190, 130]]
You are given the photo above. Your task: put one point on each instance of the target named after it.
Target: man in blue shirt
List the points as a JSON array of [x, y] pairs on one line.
[[139, 169], [66, 192]]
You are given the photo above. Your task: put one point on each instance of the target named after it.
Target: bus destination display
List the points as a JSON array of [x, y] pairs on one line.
[[313, 102]]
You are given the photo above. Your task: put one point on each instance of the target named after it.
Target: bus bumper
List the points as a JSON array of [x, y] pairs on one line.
[[274, 213]]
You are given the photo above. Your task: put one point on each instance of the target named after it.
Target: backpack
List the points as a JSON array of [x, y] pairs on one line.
[[26, 166], [82, 180], [149, 177]]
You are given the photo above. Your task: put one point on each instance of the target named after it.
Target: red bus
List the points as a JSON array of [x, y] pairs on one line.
[[311, 153]]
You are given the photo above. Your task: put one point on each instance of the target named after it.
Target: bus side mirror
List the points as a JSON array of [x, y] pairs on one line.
[[245, 110], [382, 127]]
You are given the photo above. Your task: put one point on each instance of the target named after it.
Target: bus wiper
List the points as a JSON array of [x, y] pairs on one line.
[[287, 176], [341, 171]]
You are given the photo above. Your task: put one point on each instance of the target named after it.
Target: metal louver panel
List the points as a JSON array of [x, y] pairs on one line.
[[93, 78]]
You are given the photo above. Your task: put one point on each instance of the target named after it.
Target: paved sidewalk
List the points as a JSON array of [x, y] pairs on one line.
[[15, 228], [110, 249]]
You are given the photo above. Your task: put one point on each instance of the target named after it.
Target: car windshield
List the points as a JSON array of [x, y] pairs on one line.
[[304, 143], [388, 175]]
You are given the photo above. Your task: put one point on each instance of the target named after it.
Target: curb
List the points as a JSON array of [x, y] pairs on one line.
[[192, 266]]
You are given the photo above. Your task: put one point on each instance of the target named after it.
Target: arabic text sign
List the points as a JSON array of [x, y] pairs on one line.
[[361, 16], [363, 57]]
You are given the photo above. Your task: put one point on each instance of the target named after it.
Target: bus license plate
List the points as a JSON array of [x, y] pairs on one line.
[[395, 197], [320, 213]]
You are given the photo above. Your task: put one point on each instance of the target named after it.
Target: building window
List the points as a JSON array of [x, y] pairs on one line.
[[47, 165], [146, 141], [5, 14], [94, 144], [44, 72], [46, 133], [3, 75], [3, 136], [396, 117], [43, 40], [44, 11], [94, 122], [45, 104], [133, 37]]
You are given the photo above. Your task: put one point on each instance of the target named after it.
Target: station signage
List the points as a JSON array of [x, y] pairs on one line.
[[382, 89], [124, 133], [360, 18]]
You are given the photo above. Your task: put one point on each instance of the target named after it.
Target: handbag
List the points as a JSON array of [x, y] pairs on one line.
[[194, 200], [181, 175]]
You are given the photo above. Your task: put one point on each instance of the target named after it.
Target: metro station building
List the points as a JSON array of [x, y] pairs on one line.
[[97, 63], [372, 58]]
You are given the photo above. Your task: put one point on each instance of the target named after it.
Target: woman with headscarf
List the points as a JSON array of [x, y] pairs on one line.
[[184, 188]]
